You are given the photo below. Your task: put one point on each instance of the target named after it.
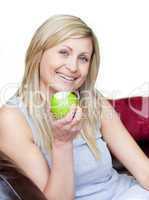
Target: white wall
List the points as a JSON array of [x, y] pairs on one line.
[[121, 26]]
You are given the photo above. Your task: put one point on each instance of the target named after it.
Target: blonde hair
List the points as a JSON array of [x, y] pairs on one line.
[[53, 31]]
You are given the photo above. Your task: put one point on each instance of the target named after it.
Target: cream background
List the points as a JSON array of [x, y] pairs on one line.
[[122, 27]]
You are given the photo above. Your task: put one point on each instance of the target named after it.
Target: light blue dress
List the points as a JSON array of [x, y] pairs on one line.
[[94, 180]]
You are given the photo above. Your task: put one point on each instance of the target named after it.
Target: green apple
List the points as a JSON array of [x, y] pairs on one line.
[[61, 103]]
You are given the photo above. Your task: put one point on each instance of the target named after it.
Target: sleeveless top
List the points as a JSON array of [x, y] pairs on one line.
[[94, 180]]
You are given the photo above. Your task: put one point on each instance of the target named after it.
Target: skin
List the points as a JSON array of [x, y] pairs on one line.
[[15, 144], [72, 58], [16, 135]]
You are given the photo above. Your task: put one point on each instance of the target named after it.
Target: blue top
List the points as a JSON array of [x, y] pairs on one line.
[[94, 180]]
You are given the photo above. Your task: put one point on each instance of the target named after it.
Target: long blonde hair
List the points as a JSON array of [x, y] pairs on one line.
[[54, 30]]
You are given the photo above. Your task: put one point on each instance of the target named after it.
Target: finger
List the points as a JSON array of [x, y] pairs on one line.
[[71, 113], [78, 116], [75, 121], [68, 118], [75, 124]]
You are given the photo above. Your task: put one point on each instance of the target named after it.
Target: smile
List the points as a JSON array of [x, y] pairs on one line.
[[64, 77]]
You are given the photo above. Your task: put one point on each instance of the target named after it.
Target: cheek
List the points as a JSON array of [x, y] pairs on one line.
[[48, 64], [84, 71], [43, 74], [46, 72], [47, 67]]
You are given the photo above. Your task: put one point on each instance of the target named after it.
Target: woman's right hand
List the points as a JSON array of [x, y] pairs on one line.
[[67, 128]]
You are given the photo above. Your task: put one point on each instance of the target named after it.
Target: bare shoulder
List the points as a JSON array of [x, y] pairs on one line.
[[109, 118], [107, 111], [16, 142], [11, 117]]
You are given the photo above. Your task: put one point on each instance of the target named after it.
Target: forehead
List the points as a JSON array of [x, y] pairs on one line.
[[81, 44]]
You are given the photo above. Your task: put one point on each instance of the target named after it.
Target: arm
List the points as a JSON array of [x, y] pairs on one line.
[[16, 142], [61, 181], [123, 146]]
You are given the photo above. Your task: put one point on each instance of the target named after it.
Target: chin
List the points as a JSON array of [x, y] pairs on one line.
[[60, 86], [59, 89]]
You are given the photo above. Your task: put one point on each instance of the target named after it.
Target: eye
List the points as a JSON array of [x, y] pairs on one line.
[[64, 52], [84, 59]]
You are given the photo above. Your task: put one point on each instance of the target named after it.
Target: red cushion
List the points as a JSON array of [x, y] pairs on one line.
[[134, 113]]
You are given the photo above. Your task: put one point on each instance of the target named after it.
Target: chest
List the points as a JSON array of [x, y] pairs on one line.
[[87, 168]]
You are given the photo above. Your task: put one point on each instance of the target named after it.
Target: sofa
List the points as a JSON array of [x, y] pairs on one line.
[[134, 114], [14, 185]]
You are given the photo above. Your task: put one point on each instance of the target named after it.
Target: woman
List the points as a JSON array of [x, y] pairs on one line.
[[69, 158]]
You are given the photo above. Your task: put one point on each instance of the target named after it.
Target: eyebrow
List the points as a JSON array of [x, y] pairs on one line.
[[72, 49]]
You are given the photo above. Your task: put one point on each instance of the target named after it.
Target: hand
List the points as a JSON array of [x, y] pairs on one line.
[[67, 128]]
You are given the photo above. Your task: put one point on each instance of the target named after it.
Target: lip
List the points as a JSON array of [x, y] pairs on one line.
[[65, 80], [74, 77]]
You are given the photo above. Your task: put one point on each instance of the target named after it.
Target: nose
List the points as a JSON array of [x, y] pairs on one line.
[[72, 65]]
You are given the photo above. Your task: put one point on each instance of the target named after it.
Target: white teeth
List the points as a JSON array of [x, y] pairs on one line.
[[66, 77]]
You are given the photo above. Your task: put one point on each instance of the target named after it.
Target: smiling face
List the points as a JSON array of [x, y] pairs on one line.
[[65, 66]]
